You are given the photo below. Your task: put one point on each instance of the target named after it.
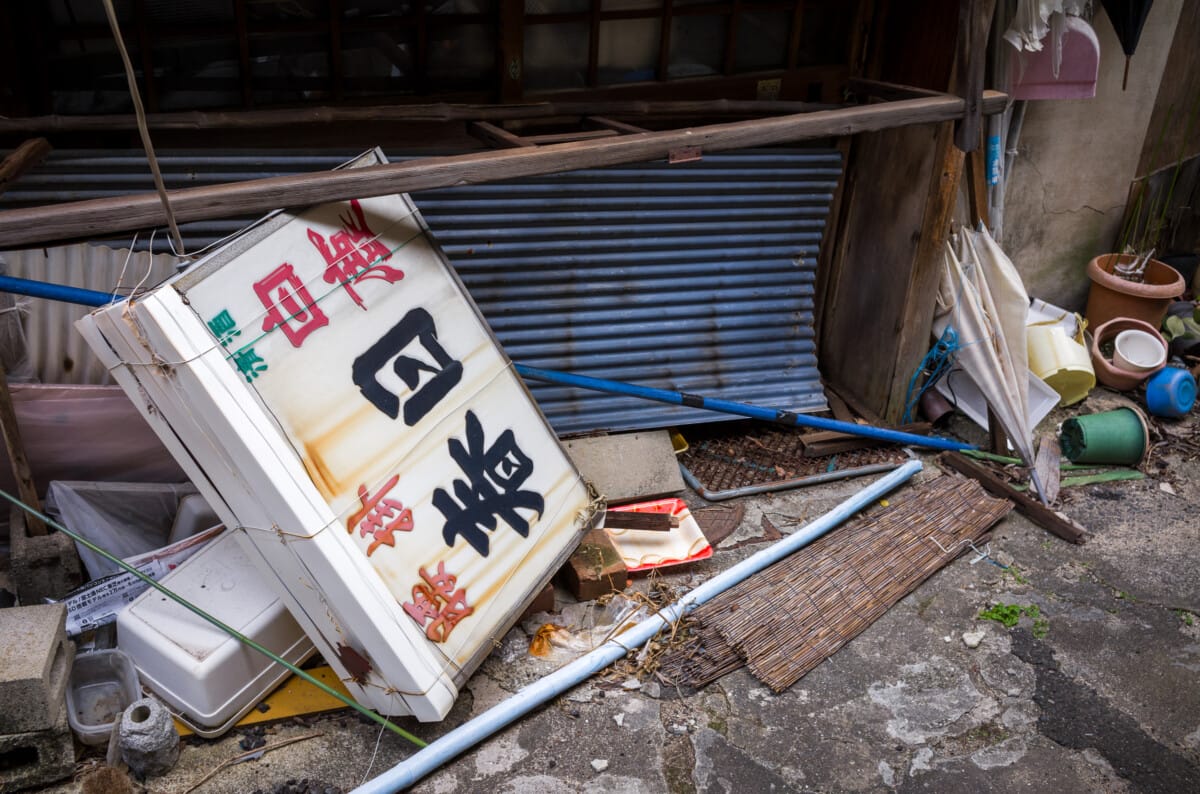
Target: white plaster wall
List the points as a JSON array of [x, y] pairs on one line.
[[1075, 161]]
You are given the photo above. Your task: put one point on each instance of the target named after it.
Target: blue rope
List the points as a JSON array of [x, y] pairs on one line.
[[934, 366]]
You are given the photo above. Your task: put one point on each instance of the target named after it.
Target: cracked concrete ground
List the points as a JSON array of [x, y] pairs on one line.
[[1104, 698]]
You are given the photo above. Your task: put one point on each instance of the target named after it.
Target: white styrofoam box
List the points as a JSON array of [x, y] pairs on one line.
[[209, 678], [387, 465]]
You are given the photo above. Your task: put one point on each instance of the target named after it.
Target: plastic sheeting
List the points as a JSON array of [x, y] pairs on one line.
[[86, 433]]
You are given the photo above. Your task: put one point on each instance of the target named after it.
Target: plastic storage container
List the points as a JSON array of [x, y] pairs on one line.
[[102, 684], [208, 678]]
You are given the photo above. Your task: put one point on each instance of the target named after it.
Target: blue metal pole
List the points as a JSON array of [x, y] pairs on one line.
[[740, 409], [56, 292], [87, 297]]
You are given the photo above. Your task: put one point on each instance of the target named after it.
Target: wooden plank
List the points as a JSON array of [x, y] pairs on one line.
[[496, 137], [889, 181], [606, 123], [1035, 511], [21, 159], [920, 295], [438, 112], [102, 217], [829, 442], [977, 189]]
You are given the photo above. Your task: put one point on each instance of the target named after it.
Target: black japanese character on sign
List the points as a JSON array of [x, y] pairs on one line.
[[495, 476], [417, 325]]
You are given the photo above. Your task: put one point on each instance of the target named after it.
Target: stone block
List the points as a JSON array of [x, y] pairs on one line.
[[35, 665], [542, 602], [43, 566], [37, 757], [627, 467], [595, 569]]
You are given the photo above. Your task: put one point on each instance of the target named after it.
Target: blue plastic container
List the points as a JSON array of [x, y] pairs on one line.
[[1171, 392]]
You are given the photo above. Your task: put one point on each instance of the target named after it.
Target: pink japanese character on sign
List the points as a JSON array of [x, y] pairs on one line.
[[290, 307], [375, 511], [436, 599], [354, 254]]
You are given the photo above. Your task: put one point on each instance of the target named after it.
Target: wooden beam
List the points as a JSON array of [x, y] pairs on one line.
[[439, 112], [1032, 509], [21, 159], [494, 136], [563, 137], [103, 217], [974, 22], [977, 189], [605, 123]]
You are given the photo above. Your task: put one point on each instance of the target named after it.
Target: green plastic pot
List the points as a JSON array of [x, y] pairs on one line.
[[1117, 437]]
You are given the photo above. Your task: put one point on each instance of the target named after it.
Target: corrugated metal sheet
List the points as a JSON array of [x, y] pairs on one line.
[[57, 351], [695, 277]]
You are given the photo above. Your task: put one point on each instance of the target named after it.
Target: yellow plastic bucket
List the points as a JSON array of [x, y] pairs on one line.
[[1060, 361]]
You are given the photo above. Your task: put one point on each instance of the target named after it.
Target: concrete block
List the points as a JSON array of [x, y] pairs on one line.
[[628, 467], [148, 738], [35, 665], [37, 757], [595, 569], [44, 566]]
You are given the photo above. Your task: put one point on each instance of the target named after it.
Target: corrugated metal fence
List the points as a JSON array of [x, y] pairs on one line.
[[696, 277]]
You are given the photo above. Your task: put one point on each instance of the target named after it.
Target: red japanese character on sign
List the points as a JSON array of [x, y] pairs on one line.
[[375, 511], [290, 307], [436, 599], [354, 254]]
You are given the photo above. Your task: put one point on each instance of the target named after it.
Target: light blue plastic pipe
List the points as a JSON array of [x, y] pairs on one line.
[[466, 736]]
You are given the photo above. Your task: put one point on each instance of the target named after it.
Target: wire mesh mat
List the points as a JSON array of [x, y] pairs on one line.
[[725, 459]]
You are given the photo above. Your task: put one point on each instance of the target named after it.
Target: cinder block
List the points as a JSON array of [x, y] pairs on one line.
[[44, 566], [35, 664], [37, 757], [628, 466], [595, 569]]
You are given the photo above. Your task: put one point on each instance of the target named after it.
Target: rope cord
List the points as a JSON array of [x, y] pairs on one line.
[[381, 720], [936, 363]]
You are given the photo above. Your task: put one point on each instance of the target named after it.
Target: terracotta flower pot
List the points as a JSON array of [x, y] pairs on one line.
[[1109, 373], [1112, 296]]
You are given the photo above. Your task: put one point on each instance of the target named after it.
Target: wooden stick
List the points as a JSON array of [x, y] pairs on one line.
[[16, 454], [1035, 511], [629, 519], [495, 136], [21, 159], [104, 217]]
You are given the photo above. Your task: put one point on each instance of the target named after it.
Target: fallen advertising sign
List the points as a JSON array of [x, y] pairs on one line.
[[334, 393]]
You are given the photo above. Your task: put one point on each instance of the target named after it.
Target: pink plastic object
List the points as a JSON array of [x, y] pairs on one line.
[[1033, 72], [641, 549]]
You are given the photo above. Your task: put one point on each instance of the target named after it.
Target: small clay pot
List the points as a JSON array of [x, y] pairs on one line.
[[1109, 373], [1111, 296]]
